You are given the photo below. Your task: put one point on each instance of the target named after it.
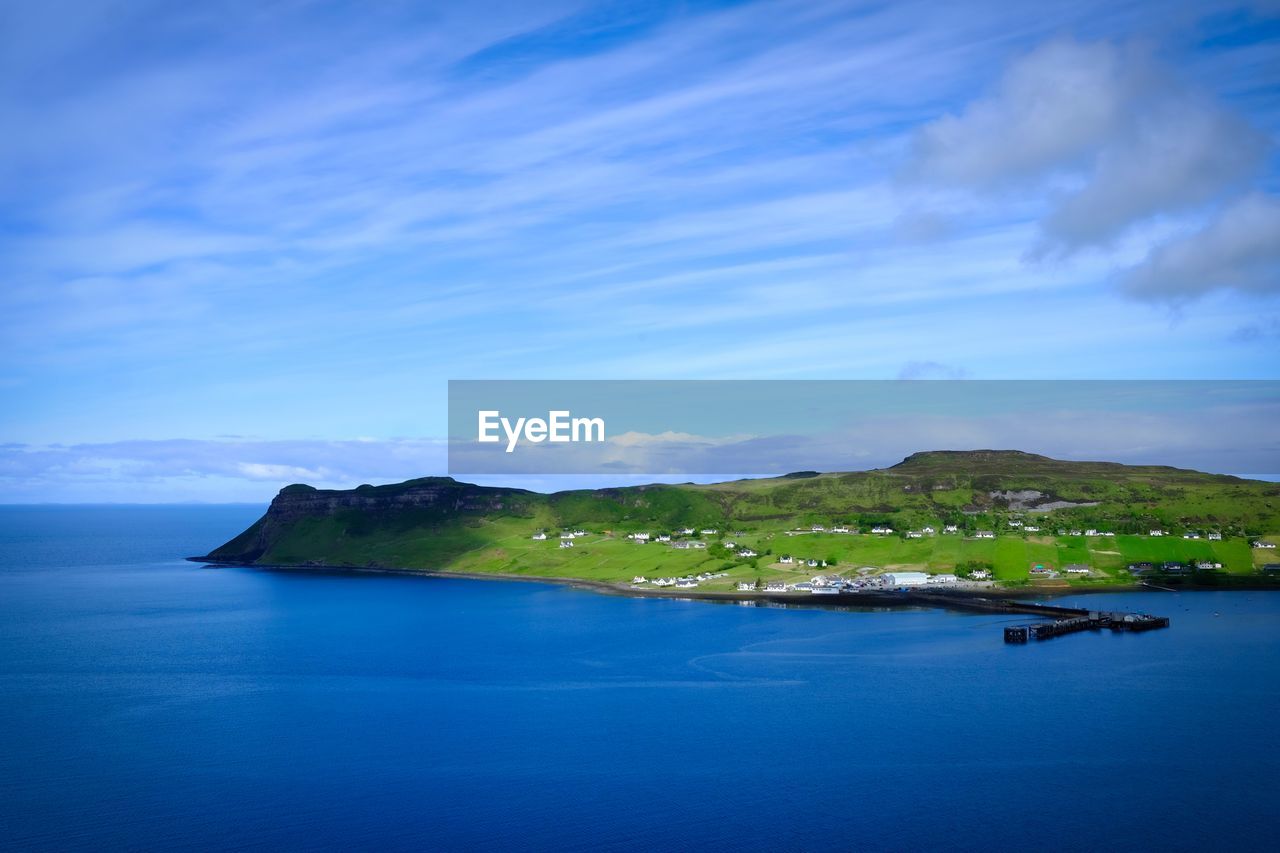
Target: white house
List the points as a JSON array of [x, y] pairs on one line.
[[928, 531], [984, 534], [980, 575], [709, 531], [686, 583], [539, 537], [746, 552], [1191, 536], [1015, 524], [639, 537], [786, 559], [1261, 544], [579, 533], [1217, 537], [881, 530], [746, 586], [950, 528], [1155, 531], [662, 537], [1092, 531], [1077, 570], [817, 528], [900, 579], [1031, 528], [686, 531], [639, 579], [914, 534], [566, 543], [775, 586], [944, 580], [840, 529], [566, 535]]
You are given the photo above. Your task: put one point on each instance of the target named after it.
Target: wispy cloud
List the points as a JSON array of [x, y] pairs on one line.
[[206, 227]]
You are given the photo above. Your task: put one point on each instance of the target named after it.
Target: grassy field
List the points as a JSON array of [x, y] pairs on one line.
[[440, 524]]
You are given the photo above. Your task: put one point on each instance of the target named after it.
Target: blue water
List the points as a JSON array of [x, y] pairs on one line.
[[149, 702]]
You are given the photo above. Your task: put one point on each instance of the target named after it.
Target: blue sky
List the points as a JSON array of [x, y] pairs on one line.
[[235, 237]]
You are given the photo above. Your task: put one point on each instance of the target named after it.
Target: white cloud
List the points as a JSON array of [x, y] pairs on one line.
[[1108, 134], [1052, 107], [1240, 250]]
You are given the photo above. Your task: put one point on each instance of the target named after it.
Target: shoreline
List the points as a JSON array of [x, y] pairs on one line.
[[993, 600]]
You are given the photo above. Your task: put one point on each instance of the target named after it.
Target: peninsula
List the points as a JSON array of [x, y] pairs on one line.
[[942, 521]]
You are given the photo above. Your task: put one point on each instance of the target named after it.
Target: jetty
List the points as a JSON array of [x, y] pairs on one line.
[[1084, 620]]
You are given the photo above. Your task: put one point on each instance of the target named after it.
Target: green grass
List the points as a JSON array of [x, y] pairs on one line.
[[440, 524]]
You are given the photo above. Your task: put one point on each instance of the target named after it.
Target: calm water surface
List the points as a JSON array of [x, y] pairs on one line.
[[149, 702]]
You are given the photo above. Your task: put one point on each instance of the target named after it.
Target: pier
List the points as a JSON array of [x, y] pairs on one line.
[[1083, 620]]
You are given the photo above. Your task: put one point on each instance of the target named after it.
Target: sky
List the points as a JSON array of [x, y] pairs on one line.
[[240, 237]]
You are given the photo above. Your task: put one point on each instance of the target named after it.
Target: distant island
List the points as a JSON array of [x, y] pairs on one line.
[[940, 521]]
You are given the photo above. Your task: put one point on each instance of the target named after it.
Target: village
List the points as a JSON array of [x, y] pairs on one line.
[[812, 574]]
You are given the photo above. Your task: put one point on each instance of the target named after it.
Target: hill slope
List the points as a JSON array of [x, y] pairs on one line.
[[438, 523]]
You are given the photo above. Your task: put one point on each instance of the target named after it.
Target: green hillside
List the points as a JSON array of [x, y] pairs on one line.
[[440, 524]]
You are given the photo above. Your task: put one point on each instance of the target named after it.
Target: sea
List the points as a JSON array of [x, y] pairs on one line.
[[147, 702]]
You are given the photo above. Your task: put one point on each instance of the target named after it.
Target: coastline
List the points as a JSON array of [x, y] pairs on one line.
[[1011, 600]]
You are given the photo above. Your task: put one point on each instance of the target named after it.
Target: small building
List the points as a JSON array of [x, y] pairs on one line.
[[747, 553], [943, 580], [1215, 537], [928, 531], [950, 528], [1261, 544], [539, 537], [566, 543], [686, 583], [1191, 536], [786, 559], [775, 586], [980, 575], [746, 586], [663, 537], [1155, 531], [1031, 528], [902, 579], [639, 579], [984, 534], [1077, 569], [709, 531]]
